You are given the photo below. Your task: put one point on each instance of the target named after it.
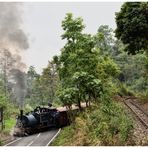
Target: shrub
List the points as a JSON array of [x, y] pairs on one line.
[[143, 96], [125, 91]]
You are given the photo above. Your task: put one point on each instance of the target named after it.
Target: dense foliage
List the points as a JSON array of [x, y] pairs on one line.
[[90, 66], [83, 72], [42, 88], [132, 26], [132, 30]]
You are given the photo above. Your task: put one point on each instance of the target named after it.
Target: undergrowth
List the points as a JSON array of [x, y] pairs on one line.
[[99, 125], [5, 133], [142, 97]]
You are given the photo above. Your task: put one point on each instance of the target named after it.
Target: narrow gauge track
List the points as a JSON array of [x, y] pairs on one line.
[[141, 114]]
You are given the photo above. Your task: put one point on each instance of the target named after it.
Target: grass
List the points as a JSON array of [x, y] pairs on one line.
[[9, 124], [143, 97], [106, 125], [4, 134], [64, 138]]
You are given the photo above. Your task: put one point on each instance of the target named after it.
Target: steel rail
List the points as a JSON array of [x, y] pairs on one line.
[[140, 109]]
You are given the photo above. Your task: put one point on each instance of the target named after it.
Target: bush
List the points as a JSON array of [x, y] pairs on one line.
[[125, 91], [142, 97], [9, 124], [9, 108]]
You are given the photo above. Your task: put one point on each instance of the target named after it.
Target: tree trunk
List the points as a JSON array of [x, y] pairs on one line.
[[79, 104], [86, 103], [89, 100]]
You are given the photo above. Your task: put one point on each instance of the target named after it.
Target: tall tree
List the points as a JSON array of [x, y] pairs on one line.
[[81, 69], [31, 76], [49, 81], [76, 53], [104, 39], [132, 26]]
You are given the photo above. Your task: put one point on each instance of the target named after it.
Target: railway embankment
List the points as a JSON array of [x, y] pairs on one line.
[[123, 123], [99, 125]]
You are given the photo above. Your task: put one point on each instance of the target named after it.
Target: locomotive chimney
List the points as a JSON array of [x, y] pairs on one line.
[[21, 114]]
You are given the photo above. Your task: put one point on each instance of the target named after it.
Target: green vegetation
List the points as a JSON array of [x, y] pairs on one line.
[[83, 70], [10, 111], [113, 69], [41, 89], [91, 69], [106, 125], [68, 79], [132, 26], [9, 124]]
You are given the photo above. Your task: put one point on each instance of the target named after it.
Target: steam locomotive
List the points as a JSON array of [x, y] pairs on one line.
[[40, 119]]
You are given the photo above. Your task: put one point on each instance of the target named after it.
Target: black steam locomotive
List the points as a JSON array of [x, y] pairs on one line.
[[40, 119]]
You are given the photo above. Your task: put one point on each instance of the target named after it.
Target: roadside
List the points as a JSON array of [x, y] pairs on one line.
[[6, 134], [103, 126], [78, 134]]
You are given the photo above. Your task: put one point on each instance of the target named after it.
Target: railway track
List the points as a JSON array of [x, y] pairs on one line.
[[141, 114]]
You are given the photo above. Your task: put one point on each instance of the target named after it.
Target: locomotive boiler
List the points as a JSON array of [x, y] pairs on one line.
[[41, 118]]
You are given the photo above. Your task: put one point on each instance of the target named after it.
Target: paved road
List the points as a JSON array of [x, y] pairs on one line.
[[40, 139]]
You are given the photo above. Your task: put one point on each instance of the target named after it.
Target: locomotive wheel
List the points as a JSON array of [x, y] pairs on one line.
[[29, 131], [25, 134]]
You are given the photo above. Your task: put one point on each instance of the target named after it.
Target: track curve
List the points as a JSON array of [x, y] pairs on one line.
[[140, 113]]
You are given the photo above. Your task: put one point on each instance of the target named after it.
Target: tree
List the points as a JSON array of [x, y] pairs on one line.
[[49, 81], [78, 51], [34, 94], [31, 76], [7, 61], [68, 96], [104, 39], [133, 70], [73, 28], [132, 30], [42, 88], [73, 33], [81, 66], [132, 26], [89, 87]]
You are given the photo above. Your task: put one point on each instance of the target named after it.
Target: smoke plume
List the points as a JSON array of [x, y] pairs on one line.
[[13, 41], [20, 85], [10, 26]]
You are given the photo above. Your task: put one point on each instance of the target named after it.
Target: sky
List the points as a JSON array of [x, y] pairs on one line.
[[42, 24]]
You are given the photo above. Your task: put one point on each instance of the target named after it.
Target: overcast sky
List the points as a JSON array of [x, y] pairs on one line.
[[42, 23]]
